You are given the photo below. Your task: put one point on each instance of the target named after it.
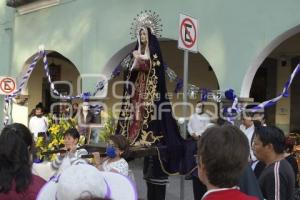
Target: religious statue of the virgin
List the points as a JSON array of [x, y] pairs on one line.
[[146, 114]]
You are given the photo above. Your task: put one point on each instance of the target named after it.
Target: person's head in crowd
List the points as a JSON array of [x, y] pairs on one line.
[[86, 182], [64, 109], [258, 119], [289, 145], [199, 108], [257, 123], [74, 109], [247, 119], [259, 116], [39, 110], [85, 106], [222, 154], [269, 142], [71, 138], [16, 143], [118, 146]]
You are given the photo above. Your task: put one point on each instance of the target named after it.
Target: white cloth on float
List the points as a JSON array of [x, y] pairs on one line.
[[43, 169]]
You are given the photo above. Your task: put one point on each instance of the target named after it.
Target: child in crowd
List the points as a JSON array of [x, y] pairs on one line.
[[72, 154], [114, 162]]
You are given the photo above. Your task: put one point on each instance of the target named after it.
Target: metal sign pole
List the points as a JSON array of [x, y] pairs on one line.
[[184, 109]]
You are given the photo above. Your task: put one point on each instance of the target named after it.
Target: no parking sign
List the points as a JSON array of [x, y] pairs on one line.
[[188, 33], [7, 85]]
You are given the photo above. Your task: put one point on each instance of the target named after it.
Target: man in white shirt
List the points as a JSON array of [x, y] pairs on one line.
[[198, 122], [38, 123], [248, 128]]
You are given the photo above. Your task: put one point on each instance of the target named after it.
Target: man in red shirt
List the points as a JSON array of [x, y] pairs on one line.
[[222, 156]]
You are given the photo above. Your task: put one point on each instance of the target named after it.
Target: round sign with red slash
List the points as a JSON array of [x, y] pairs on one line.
[[7, 85], [188, 33]]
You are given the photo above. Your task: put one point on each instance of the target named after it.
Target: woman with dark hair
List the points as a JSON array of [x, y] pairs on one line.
[[16, 178], [146, 114]]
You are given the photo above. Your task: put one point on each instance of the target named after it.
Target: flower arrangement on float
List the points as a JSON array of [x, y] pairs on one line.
[[109, 127], [55, 137]]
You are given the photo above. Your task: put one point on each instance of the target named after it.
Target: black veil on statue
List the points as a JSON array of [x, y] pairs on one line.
[[171, 144]]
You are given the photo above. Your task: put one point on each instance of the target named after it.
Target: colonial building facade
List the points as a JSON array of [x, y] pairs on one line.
[[249, 46]]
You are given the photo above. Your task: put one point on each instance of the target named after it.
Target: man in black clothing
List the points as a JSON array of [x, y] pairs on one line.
[[277, 181]]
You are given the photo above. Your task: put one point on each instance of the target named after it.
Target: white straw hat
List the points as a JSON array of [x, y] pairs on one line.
[[86, 181]]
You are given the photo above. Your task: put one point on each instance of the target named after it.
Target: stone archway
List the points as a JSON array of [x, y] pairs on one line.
[[201, 73], [249, 76], [37, 88], [271, 76]]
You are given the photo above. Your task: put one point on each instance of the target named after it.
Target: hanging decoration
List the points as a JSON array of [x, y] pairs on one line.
[[42, 54], [8, 98], [234, 109], [193, 90], [284, 92]]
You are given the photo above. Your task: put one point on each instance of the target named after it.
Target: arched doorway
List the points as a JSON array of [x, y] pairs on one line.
[[249, 76], [269, 81], [201, 74], [38, 87]]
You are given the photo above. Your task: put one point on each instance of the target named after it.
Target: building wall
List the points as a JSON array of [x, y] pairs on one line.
[[233, 34], [6, 41]]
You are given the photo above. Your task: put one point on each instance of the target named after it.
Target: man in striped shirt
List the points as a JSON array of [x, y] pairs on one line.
[[277, 181]]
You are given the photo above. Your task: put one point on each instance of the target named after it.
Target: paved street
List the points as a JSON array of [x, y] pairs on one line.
[[172, 190]]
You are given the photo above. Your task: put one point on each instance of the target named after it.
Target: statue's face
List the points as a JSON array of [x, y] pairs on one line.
[[144, 36]]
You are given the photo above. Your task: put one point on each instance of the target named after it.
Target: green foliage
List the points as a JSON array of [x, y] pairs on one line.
[[109, 128]]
